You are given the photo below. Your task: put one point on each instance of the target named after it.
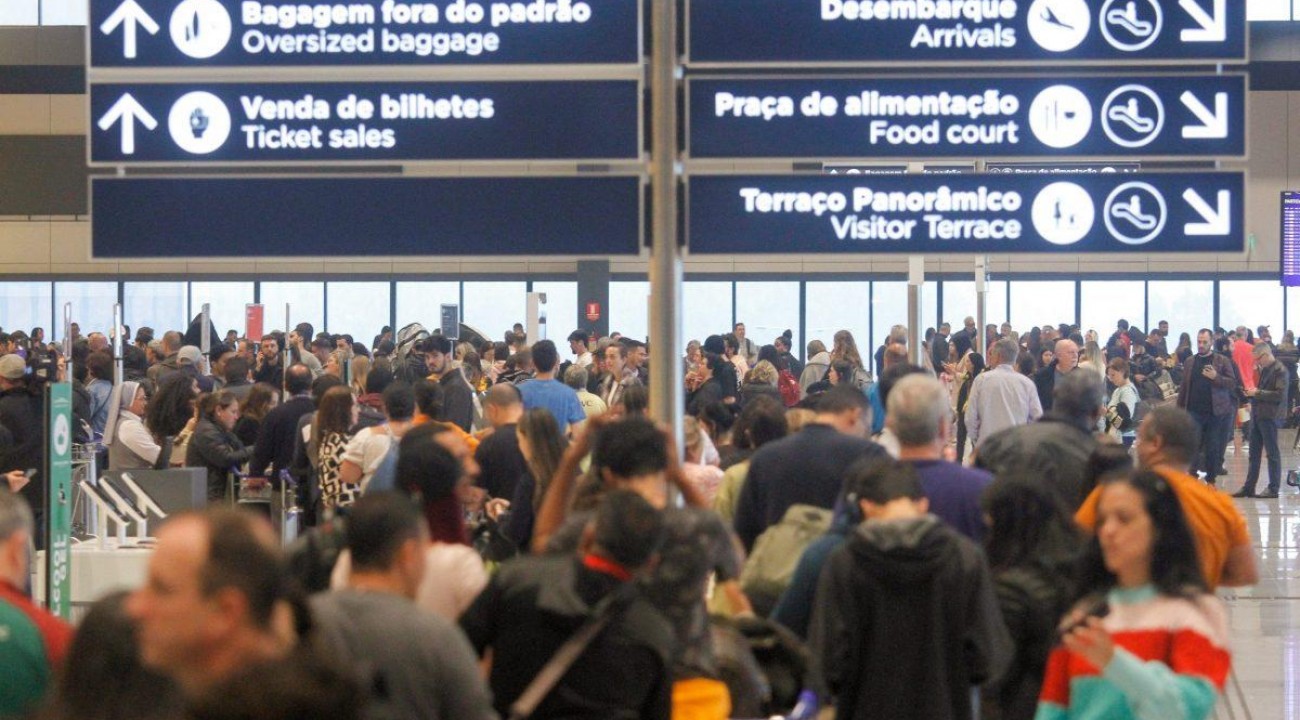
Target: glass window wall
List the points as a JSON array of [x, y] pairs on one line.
[[768, 309], [26, 305], [492, 308], [227, 305], [162, 306], [706, 310], [359, 309], [834, 306], [1041, 302], [1188, 305], [1250, 303], [421, 302], [561, 311], [92, 306], [306, 302], [629, 308], [1105, 303]]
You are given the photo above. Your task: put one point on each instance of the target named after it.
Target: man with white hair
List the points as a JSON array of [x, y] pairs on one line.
[[1000, 398], [1067, 359], [920, 417]]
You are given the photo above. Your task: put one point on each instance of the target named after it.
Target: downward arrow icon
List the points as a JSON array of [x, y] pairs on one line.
[[1214, 125], [128, 110], [1218, 221], [1212, 28], [129, 14]]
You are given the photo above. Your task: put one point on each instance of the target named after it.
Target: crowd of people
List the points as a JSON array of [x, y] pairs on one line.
[[1002, 524]]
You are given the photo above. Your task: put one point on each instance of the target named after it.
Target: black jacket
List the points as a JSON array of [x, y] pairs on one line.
[[531, 606], [218, 450], [1055, 448], [500, 462], [1272, 386], [1045, 382], [907, 599], [938, 352], [22, 413], [276, 437], [1033, 600], [457, 400], [806, 468]]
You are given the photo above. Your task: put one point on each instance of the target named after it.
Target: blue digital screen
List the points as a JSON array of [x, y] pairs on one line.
[[348, 216], [282, 122], [1102, 213], [929, 31], [225, 33], [1100, 116], [1291, 238]]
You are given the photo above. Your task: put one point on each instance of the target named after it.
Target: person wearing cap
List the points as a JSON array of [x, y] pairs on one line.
[[1268, 411], [21, 413], [457, 396], [188, 362]]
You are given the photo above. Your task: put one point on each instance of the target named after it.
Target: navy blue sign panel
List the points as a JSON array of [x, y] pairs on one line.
[[1291, 238], [230, 33], [336, 217], [1113, 116], [271, 123], [1146, 213], [892, 32]]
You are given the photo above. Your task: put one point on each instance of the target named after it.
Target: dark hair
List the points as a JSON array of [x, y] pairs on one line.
[[1175, 568], [399, 402], [577, 336], [429, 398], [842, 399], [538, 428], [306, 684], [772, 355], [297, 379], [882, 481], [240, 557], [428, 472], [1028, 526], [761, 421], [545, 356], [1106, 460], [100, 364], [171, 406], [628, 529], [209, 403], [636, 400], [305, 331], [1176, 429], [333, 413], [976, 363], [1078, 394], [324, 384], [630, 448], [892, 375], [714, 344], [377, 527], [103, 678], [378, 379], [718, 416], [843, 370], [258, 401], [236, 370]]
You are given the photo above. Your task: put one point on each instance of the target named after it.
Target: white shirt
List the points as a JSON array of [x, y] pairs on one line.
[[132, 433], [366, 450], [999, 399], [584, 360], [453, 577]]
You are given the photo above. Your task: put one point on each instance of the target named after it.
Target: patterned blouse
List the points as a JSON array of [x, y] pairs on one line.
[[334, 492]]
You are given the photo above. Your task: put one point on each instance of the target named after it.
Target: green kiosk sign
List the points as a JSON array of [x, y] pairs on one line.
[[58, 511]]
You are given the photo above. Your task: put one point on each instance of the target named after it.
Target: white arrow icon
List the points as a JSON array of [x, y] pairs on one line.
[[1218, 221], [1212, 28], [128, 110], [128, 15], [1214, 125]]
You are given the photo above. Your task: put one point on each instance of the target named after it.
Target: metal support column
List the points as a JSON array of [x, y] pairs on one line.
[[915, 284], [666, 393], [981, 302]]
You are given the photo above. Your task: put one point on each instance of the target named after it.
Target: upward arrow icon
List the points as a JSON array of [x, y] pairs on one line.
[[129, 15], [128, 110]]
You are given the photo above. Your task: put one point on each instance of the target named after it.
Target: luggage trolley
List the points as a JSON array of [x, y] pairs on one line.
[[281, 505]]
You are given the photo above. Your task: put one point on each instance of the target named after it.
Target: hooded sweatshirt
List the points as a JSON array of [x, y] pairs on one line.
[[906, 622], [815, 371]]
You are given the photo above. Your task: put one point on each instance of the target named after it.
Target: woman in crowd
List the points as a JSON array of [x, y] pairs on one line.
[[214, 444], [1122, 407], [1146, 638], [1093, 358], [846, 348], [760, 381], [358, 371], [967, 370], [819, 363], [130, 444], [1184, 349], [262, 399], [542, 446], [1032, 546], [335, 414], [705, 478], [694, 355], [717, 419], [759, 423], [707, 387]]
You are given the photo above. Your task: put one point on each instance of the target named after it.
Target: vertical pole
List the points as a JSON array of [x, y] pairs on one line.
[[666, 393], [118, 345], [981, 302], [915, 283]]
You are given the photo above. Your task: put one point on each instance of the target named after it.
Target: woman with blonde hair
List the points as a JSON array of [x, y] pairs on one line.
[[1093, 358], [359, 371], [846, 348]]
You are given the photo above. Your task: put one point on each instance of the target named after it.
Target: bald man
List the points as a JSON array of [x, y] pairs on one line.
[[1067, 359], [498, 454]]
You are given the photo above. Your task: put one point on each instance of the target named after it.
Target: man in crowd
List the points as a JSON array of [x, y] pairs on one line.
[[169, 363], [921, 420], [414, 663], [939, 348], [637, 355], [577, 378], [1046, 379], [616, 378], [1166, 443], [22, 412], [744, 345], [905, 596], [278, 433], [806, 468], [235, 373], [965, 338], [1000, 398], [457, 396], [270, 365], [578, 346], [532, 605], [212, 604], [33, 643], [1268, 400], [1058, 446], [544, 391], [1206, 392], [1243, 358], [499, 459]]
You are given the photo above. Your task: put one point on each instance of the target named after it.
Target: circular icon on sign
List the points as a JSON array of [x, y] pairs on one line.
[[62, 436], [1135, 213], [1131, 25], [1060, 116], [1059, 25], [199, 122], [1063, 213], [1132, 116], [200, 28]]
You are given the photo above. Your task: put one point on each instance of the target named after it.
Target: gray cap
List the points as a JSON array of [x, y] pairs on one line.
[[12, 367], [188, 355]]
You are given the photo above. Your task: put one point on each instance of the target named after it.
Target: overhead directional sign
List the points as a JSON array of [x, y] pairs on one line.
[[223, 33], [373, 216], [1100, 116], [891, 32], [1103, 213], [273, 123]]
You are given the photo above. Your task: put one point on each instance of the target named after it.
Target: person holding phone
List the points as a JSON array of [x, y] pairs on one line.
[[1147, 638], [1207, 393]]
